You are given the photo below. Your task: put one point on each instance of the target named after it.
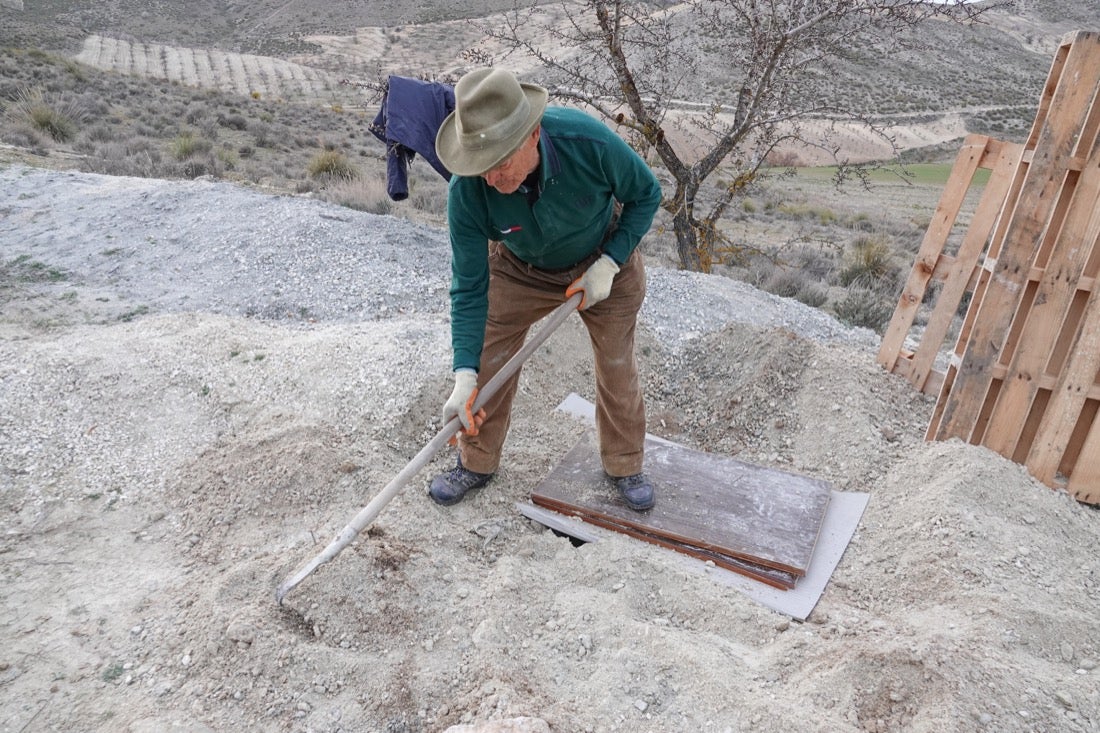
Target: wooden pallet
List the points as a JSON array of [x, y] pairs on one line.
[[756, 521], [1023, 376]]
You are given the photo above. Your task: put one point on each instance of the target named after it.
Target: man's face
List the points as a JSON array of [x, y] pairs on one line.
[[507, 176]]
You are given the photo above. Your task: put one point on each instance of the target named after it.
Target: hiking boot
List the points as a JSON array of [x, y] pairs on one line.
[[449, 487], [636, 490]]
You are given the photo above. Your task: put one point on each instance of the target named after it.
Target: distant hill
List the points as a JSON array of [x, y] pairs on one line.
[[952, 80]]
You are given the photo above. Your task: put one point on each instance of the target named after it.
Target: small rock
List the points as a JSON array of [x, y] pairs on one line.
[[241, 631]]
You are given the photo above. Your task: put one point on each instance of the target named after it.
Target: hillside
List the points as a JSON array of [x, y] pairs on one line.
[[990, 74]]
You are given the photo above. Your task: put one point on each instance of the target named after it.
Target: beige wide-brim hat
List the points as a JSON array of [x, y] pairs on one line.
[[493, 114]]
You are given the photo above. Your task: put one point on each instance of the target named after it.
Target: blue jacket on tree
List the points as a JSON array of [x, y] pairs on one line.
[[412, 111]]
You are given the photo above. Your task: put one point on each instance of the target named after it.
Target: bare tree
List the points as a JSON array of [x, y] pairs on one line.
[[641, 65]]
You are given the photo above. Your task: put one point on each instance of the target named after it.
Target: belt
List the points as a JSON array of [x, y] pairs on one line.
[[587, 260]]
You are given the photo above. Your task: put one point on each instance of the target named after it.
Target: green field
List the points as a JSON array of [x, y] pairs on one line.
[[929, 174]]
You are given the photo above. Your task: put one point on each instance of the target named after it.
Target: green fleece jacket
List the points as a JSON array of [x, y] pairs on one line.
[[585, 167]]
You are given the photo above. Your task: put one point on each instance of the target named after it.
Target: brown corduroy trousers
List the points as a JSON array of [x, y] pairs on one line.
[[519, 296]]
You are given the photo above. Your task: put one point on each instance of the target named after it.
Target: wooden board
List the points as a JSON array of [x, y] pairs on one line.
[[771, 576], [841, 521], [751, 519]]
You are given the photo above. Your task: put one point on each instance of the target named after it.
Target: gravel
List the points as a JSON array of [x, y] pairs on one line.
[[146, 247]]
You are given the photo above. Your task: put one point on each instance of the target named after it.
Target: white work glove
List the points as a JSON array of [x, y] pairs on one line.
[[461, 402], [595, 283]]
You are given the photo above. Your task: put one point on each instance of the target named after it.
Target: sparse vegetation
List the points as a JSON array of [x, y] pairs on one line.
[[26, 269], [127, 125], [778, 63]]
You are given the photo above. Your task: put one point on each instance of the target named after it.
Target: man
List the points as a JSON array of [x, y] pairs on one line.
[[544, 202]]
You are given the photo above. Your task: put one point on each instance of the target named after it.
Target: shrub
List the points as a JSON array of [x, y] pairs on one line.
[[331, 164], [196, 168], [760, 269], [196, 111], [429, 198], [261, 134], [25, 136], [862, 222], [817, 264], [812, 294], [186, 145], [785, 282], [868, 258], [100, 133], [792, 282], [800, 213], [136, 156], [227, 157], [54, 115], [866, 307], [233, 121], [361, 194]]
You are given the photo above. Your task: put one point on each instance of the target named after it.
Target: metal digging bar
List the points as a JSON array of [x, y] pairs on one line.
[[367, 514]]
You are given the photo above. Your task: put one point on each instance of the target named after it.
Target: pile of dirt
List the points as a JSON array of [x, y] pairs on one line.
[[201, 385]]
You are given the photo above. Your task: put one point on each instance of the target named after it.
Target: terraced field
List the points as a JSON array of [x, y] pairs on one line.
[[245, 74]]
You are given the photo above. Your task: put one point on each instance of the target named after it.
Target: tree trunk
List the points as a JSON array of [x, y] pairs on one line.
[[686, 242], [682, 208]]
